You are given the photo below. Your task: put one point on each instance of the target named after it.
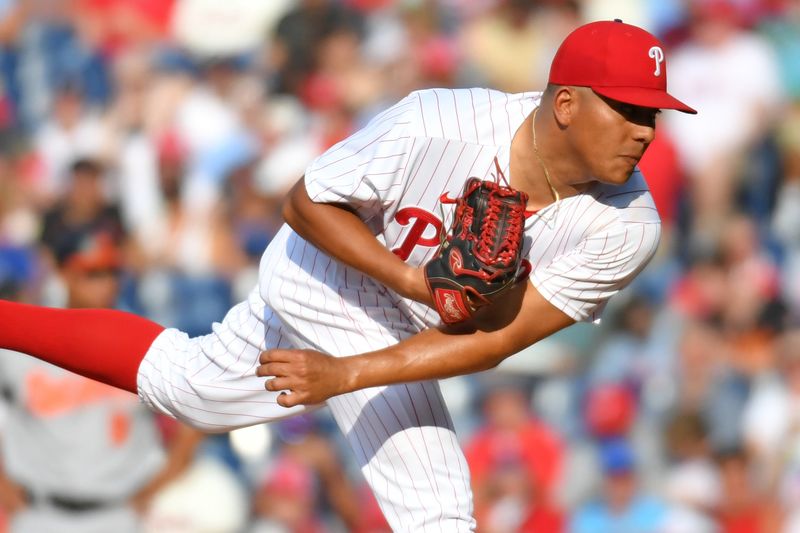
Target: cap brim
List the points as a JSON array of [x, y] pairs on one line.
[[644, 97], [95, 261]]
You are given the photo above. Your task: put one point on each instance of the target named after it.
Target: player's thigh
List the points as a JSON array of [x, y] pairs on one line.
[[404, 442], [210, 382]]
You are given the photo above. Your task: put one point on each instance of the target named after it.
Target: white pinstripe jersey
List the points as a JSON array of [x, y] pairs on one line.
[[583, 250]]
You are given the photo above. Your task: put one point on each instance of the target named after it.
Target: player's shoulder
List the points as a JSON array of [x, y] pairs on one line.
[[476, 115], [631, 202], [477, 96]]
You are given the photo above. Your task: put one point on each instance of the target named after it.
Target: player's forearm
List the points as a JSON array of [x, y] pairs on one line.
[[433, 354], [341, 234], [310, 377], [442, 353]]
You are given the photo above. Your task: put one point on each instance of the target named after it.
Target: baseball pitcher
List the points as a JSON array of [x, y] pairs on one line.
[[455, 229]]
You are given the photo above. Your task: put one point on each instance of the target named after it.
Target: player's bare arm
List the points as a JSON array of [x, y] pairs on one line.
[[312, 377], [340, 233]]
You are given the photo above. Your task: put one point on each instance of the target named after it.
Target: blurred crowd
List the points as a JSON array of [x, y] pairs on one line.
[[174, 128]]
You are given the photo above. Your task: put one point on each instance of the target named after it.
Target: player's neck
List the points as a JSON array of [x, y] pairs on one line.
[[553, 166]]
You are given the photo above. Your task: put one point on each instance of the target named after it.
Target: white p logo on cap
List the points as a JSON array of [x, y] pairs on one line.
[[658, 55]]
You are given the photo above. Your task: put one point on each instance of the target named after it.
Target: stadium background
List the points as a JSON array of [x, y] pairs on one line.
[[682, 407]]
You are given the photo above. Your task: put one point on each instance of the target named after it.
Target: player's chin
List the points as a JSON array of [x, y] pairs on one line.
[[618, 174]]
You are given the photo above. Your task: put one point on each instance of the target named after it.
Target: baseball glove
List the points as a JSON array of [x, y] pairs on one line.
[[480, 257]]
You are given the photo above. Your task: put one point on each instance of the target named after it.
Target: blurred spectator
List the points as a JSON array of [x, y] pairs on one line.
[[732, 76], [20, 216], [515, 462], [782, 27], [84, 208], [785, 224], [771, 422], [663, 168], [54, 49], [753, 278], [131, 138], [212, 131], [115, 24], [305, 470], [691, 482], [610, 411], [709, 385], [701, 291], [209, 28], [189, 256], [252, 219], [69, 443], [743, 507], [299, 34], [291, 145], [621, 358], [621, 506], [511, 46], [69, 134]]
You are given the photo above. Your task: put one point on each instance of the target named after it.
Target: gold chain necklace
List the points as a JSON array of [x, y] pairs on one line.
[[553, 190]]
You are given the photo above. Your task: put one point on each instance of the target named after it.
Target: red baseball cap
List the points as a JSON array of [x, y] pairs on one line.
[[618, 61], [93, 252]]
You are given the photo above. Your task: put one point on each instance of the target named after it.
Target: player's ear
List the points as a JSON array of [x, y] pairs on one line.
[[565, 102]]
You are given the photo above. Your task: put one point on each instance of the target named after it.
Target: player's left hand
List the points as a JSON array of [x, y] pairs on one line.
[[305, 377]]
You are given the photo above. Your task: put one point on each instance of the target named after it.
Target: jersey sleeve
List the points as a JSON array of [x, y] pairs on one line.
[[580, 282], [365, 171]]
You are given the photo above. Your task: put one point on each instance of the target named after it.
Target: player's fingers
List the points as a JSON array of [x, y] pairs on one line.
[[273, 369], [277, 384], [266, 357], [276, 355], [288, 400]]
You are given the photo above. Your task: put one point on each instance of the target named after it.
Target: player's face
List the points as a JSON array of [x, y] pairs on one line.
[[612, 136]]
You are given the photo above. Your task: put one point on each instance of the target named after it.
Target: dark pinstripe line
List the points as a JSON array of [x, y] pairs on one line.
[[449, 424], [361, 438], [446, 186], [601, 213], [345, 173], [474, 116], [422, 116], [458, 119], [568, 227], [491, 115], [439, 111], [402, 457], [508, 119], [277, 343], [615, 195], [433, 172], [408, 438], [427, 450], [354, 153], [376, 450], [201, 399], [256, 324]]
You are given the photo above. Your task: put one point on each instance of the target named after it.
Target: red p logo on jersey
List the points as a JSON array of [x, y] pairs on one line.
[[422, 220]]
